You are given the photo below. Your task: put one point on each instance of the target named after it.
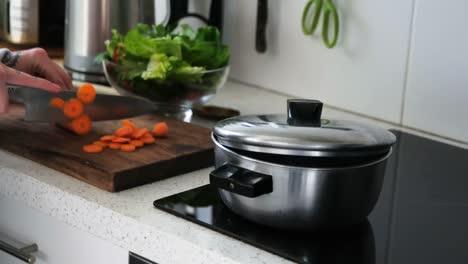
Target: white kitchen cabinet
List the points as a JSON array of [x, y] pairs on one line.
[[58, 242], [364, 73], [437, 89]]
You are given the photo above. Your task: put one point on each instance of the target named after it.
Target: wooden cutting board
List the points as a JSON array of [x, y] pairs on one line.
[[188, 148]]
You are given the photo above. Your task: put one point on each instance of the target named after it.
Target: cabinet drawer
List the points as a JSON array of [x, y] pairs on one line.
[[136, 259], [58, 242]]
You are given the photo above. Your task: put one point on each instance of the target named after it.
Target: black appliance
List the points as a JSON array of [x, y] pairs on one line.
[[206, 12]]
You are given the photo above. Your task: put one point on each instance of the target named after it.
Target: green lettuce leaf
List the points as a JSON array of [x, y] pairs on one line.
[[205, 48], [182, 71], [131, 67], [138, 43], [115, 42], [159, 67], [208, 33]]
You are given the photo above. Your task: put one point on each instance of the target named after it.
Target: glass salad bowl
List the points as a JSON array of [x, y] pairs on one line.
[[183, 93]]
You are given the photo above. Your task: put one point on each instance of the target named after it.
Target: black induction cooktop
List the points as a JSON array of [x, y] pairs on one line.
[[421, 215]]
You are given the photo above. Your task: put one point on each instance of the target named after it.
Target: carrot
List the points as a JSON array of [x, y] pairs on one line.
[[124, 131], [137, 143], [101, 144], [127, 147], [57, 102], [147, 134], [114, 145], [121, 140], [128, 122], [140, 133], [148, 140], [92, 148], [160, 129], [73, 108], [108, 138], [86, 93], [81, 125]]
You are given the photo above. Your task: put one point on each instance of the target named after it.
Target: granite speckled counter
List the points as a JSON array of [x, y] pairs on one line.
[[128, 219]]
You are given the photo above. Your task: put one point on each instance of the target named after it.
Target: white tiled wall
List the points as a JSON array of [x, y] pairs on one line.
[[402, 61], [365, 73], [437, 90]]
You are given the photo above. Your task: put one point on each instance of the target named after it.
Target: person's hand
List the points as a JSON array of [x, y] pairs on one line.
[[36, 62], [25, 64]]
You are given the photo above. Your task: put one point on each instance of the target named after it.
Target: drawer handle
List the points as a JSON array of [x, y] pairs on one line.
[[23, 253]]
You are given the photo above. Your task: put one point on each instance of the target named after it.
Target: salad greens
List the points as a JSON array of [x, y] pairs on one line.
[[165, 52]]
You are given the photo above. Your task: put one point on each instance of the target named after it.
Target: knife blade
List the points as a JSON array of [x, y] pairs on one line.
[[104, 107]]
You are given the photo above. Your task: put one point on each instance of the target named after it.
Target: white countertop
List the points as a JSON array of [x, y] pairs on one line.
[[128, 218]]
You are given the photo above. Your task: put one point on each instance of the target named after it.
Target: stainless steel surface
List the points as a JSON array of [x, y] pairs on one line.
[[272, 134], [306, 197], [88, 23], [104, 107], [21, 21], [23, 254], [87, 77]]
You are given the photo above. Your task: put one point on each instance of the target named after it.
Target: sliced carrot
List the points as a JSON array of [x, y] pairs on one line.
[[101, 143], [121, 140], [148, 134], [140, 133], [92, 148], [73, 108], [128, 122], [148, 140], [86, 93], [124, 131], [127, 147], [160, 129], [57, 102], [137, 143], [114, 145], [108, 138], [81, 125]]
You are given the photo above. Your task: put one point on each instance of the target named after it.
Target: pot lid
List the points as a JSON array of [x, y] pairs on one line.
[[303, 132]]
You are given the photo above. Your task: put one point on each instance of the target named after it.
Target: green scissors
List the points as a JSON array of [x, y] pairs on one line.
[[329, 9]]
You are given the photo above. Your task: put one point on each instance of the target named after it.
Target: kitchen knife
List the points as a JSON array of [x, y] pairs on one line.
[[260, 31], [104, 107]]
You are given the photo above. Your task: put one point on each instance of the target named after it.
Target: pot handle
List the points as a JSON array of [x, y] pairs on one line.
[[305, 113], [241, 181]]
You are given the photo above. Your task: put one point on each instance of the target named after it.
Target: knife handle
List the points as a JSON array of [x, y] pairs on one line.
[[262, 18]]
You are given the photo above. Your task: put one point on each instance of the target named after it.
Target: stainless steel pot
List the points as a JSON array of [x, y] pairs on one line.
[[299, 171]]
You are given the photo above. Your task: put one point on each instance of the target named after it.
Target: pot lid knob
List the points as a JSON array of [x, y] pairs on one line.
[[306, 113]]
